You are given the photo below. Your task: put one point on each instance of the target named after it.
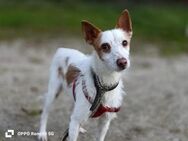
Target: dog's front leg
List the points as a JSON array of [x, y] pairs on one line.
[[103, 126], [73, 129], [80, 115]]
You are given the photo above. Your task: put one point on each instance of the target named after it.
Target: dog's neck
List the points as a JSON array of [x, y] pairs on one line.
[[106, 75]]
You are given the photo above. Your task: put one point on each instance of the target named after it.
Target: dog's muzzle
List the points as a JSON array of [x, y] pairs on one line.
[[121, 63]]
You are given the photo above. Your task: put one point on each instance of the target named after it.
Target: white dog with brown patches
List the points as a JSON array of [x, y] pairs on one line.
[[94, 81]]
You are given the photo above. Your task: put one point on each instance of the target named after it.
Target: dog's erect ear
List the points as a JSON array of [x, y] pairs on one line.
[[124, 22], [90, 32]]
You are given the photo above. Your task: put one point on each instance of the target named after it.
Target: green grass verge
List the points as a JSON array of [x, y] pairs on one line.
[[165, 25]]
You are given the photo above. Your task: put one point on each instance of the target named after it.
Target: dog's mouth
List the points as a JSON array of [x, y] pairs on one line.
[[122, 68]]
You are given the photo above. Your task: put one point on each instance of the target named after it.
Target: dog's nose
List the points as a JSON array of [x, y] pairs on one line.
[[121, 63]]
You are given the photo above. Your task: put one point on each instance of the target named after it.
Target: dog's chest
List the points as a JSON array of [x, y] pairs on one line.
[[113, 98]]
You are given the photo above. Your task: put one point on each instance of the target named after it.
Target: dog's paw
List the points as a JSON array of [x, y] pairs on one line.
[[42, 136], [82, 130]]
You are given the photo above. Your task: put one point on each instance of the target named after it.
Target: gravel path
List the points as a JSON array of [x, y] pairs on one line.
[[155, 108]]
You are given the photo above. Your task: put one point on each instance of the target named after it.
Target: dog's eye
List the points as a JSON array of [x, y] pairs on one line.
[[124, 43], [105, 47]]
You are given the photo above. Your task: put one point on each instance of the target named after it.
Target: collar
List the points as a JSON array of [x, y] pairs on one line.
[[101, 89], [100, 85]]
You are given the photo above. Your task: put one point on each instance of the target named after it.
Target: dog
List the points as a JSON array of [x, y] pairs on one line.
[[94, 81]]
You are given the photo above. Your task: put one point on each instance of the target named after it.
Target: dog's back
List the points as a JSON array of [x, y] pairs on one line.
[[66, 65]]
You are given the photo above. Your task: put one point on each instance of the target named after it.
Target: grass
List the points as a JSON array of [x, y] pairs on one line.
[[54, 17], [164, 25]]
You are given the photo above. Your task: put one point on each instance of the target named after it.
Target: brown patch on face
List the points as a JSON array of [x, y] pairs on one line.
[[60, 72], [92, 35], [72, 74], [97, 47]]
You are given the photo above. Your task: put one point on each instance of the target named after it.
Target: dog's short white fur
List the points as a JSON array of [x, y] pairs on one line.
[[109, 60]]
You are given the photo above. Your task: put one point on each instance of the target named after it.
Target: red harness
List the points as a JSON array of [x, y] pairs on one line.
[[101, 109]]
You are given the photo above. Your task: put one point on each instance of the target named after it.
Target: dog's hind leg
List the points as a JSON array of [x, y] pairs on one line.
[[54, 88]]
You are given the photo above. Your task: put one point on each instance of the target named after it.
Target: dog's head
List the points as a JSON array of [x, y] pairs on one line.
[[112, 46]]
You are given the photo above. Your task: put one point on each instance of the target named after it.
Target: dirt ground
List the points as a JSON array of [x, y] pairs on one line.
[[154, 109]]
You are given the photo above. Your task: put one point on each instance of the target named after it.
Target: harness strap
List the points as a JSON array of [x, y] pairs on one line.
[[73, 89], [84, 89], [97, 107], [101, 108], [101, 89]]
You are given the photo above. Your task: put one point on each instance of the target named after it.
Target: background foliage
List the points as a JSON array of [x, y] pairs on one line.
[[163, 22]]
